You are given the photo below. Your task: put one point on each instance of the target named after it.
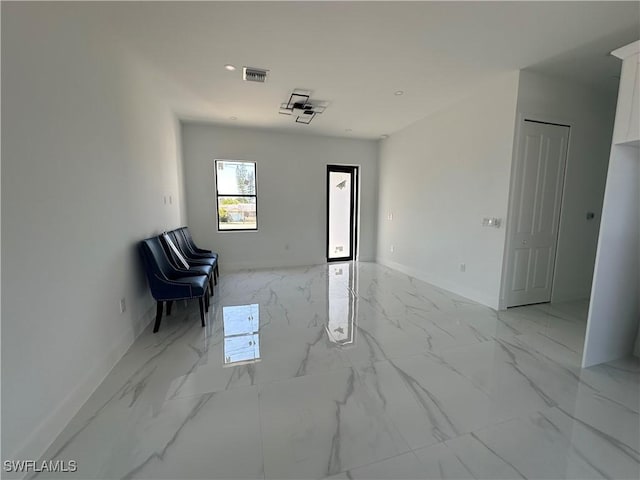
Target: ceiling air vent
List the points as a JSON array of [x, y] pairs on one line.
[[251, 74]]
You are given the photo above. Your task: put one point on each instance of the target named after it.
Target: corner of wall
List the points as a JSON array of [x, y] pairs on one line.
[[460, 166], [182, 212], [589, 113]]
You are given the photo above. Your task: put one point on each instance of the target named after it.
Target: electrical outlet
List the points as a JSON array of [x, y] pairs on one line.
[[463, 267], [123, 305], [390, 216]]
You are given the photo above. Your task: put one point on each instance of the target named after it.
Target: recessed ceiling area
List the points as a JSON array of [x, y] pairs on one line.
[[359, 56]]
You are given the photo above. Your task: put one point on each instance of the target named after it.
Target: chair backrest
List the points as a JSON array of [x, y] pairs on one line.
[[181, 242], [184, 232], [160, 272], [175, 253], [157, 265]]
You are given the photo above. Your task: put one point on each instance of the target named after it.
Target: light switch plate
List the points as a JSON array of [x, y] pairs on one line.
[[491, 222]]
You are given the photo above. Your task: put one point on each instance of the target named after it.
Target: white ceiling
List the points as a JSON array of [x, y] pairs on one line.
[[357, 54]]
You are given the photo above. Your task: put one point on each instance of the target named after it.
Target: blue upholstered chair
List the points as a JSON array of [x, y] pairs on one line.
[[168, 284], [192, 258], [194, 250], [183, 263]]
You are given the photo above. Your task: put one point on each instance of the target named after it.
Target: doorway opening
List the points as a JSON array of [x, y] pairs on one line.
[[342, 212]]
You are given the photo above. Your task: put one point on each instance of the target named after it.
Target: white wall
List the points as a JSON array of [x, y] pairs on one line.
[[614, 311], [636, 350], [590, 114], [438, 178], [291, 175], [88, 154]]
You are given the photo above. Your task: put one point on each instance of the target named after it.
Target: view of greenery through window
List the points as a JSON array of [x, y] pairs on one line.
[[236, 195]]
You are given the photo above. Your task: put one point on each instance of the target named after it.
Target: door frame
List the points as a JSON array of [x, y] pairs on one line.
[[354, 206], [548, 119]]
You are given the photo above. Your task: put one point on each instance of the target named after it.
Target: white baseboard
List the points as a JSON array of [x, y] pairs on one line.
[[469, 293], [243, 266], [37, 443], [229, 267]]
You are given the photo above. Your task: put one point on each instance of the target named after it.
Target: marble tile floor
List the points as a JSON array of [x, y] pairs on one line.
[[357, 371]]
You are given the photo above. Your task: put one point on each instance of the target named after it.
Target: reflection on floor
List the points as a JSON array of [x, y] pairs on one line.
[[358, 371]]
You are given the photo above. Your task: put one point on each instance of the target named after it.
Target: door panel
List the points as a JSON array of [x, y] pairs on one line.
[[535, 213], [527, 189], [541, 268], [521, 267]]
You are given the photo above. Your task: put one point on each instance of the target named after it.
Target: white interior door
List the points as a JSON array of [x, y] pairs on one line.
[[535, 212]]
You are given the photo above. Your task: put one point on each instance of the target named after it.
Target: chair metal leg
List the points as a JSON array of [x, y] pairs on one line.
[[156, 326], [200, 302], [169, 305], [211, 284], [206, 302]]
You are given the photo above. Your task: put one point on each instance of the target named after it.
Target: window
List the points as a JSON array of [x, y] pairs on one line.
[[236, 195]]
